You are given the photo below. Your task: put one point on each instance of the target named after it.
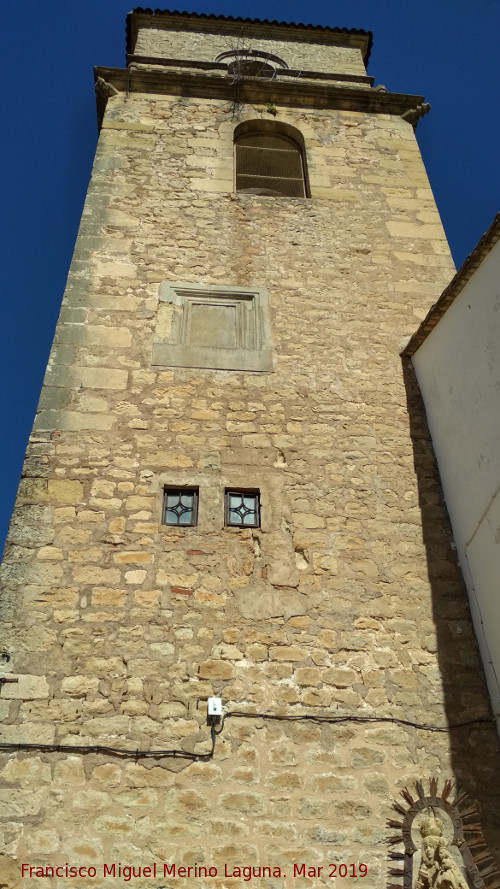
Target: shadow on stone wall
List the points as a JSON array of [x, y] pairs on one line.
[[475, 749]]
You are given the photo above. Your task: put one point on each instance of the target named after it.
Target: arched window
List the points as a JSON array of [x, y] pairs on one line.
[[251, 62], [270, 159]]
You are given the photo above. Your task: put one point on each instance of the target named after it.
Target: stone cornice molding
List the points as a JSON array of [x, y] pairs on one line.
[[134, 61], [256, 90]]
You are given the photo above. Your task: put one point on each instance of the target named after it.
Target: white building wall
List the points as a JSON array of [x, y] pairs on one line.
[[458, 369]]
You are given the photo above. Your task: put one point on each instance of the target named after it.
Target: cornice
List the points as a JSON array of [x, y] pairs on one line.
[[255, 90], [149, 61]]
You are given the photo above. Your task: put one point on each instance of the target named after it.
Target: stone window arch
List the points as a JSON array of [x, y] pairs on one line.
[[251, 63], [270, 159]]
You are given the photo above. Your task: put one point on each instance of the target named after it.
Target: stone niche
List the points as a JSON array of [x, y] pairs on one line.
[[221, 327]]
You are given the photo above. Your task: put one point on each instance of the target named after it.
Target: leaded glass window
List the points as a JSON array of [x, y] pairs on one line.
[[180, 506], [242, 509]]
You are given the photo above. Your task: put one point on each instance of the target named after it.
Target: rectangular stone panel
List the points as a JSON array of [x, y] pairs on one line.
[[213, 325]]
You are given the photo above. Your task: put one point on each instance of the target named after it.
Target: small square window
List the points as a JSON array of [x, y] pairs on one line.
[[242, 509], [180, 506]]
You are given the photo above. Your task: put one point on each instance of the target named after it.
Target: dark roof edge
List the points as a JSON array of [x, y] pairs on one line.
[[325, 30], [456, 285]]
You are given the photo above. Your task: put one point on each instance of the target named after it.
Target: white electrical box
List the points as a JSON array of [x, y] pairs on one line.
[[214, 708]]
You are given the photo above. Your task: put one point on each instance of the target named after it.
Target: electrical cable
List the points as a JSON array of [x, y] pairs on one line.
[[112, 751], [313, 717], [239, 714]]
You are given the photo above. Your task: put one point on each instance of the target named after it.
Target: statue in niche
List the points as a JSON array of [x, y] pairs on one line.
[[437, 869], [444, 846]]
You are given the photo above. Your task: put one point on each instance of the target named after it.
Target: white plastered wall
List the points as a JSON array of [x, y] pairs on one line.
[[458, 370]]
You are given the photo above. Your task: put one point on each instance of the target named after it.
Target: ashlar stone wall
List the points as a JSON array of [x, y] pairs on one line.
[[347, 601]]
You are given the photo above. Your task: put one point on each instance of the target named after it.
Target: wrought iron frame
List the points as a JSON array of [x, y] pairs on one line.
[[243, 492], [169, 490]]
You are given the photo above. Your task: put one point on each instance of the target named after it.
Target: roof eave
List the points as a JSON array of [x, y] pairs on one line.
[[174, 20], [456, 285]]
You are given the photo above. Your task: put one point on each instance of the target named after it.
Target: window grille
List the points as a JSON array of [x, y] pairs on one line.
[[242, 509], [269, 163], [180, 506]]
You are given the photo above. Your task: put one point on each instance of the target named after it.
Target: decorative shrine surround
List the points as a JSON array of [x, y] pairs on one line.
[[432, 826]]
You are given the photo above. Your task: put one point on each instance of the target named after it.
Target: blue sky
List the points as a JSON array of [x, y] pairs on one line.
[[446, 50]]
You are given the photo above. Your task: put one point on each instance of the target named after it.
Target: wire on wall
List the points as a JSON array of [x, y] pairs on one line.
[[125, 753]]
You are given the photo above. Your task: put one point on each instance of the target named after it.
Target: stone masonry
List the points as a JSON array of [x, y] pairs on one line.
[[347, 601]]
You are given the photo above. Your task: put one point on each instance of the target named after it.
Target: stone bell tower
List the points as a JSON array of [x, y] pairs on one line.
[[230, 493]]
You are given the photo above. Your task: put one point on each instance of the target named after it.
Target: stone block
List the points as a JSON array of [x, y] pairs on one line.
[[20, 803], [106, 667], [165, 649], [86, 377], [28, 733], [27, 688], [168, 460], [308, 676], [366, 757], [26, 771], [287, 653], [11, 873], [34, 490], [91, 800], [49, 553], [79, 686], [216, 670], [30, 526], [53, 399], [108, 596], [256, 652], [411, 230], [281, 573], [134, 558], [135, 502], [42, 842], [147, 598], [112, 337], [341, 677], [64, 490], [57, 597], [244, 803], [107, 726], [90, 574], [135, 577], [333, 783], [263, 601], [256, 441], [118, 269], [172, 710], [72, 421], [307, 520], [121, 219]]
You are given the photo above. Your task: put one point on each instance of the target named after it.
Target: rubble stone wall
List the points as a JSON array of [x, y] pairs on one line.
[[206, 47]]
